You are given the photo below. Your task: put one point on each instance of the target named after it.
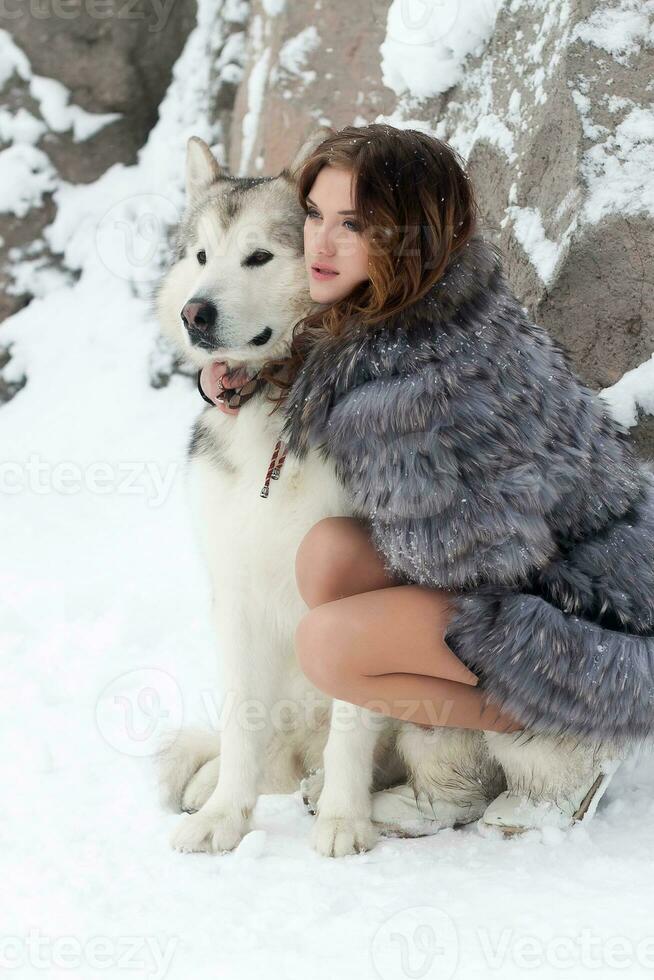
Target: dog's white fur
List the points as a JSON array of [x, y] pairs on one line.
[[249, 544]]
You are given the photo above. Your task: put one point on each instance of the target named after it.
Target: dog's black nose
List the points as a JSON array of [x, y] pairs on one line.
[[199, 316]]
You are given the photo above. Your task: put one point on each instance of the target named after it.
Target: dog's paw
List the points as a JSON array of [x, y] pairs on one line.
[[311, 788], [200, 786], [193, 833], [179, 757], [210, 831], [338, 836]]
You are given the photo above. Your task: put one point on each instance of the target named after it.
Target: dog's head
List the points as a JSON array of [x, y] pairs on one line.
[[239, 283]]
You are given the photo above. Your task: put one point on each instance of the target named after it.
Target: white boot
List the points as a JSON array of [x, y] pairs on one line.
[[453, 776], [398, 814], [514, 813]]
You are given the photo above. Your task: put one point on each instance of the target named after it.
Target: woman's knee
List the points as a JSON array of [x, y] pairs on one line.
[[327, 559], [321, 648]]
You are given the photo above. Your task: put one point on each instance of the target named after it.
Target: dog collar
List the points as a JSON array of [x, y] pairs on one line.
[[234, 397], [237, 397]]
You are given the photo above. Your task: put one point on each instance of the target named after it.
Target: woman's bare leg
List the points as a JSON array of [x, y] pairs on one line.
[[336, 558], [372, 642], [383, 650]]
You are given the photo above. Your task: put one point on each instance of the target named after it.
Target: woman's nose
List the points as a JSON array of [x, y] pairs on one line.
[[324, 241]]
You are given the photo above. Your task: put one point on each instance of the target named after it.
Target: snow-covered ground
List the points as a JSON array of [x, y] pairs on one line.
[[105, 642]]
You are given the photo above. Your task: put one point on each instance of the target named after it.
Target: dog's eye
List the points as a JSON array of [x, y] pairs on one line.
[[260, 257], [202, 257]]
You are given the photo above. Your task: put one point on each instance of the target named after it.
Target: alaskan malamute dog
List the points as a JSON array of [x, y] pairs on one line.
[[240, 257]]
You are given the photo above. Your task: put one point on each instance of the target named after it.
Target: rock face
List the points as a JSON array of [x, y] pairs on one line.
[[308, 65], [114, 60], [113, 57], [555, 121], [566, 194]]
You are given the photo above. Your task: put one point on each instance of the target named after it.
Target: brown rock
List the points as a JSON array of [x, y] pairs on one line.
[[113, 56], [338, 83]]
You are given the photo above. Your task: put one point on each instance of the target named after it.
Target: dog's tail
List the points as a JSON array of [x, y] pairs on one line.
[[181, 753]]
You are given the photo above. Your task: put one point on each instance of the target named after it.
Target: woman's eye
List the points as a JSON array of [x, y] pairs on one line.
[[312, 213], [202, 257]]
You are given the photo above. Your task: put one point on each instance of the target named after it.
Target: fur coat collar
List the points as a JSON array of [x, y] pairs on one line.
[[487, 468], [400, 345]]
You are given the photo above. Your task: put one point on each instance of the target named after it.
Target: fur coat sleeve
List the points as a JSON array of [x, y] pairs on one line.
[[485, 467], [444, 513]]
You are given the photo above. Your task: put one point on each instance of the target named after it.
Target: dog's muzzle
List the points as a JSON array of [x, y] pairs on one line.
[[199, 317]]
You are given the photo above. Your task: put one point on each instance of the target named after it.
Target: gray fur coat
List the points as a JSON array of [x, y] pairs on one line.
[[486, 467]]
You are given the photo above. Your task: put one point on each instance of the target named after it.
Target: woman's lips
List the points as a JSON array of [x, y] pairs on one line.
[[319, 274]]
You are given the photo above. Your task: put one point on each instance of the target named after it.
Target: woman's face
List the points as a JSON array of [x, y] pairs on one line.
[[332, 240]]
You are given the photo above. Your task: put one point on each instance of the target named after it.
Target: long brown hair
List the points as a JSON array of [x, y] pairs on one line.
[[415, 206]]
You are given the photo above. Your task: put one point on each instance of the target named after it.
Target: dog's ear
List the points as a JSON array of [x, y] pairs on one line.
[[307, 148], [202, 169]]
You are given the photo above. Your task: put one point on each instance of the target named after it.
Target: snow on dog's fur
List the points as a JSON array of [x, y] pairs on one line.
[[240, 249]]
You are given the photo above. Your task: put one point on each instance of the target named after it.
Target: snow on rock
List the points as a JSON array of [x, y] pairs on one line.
[[634, 392], [426, 44], [555, 119], [618, 171], [26, 174], [12, 59], [273, 8], [294, 53], [621, 28], [528, 228], [53, 97], [256, 87]]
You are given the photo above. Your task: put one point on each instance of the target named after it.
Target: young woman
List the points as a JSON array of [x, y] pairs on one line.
[[502, 509]]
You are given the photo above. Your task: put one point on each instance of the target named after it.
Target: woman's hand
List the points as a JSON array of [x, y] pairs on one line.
[[214, 380]]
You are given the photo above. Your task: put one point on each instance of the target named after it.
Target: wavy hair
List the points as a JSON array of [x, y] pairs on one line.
[[416, 208]]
